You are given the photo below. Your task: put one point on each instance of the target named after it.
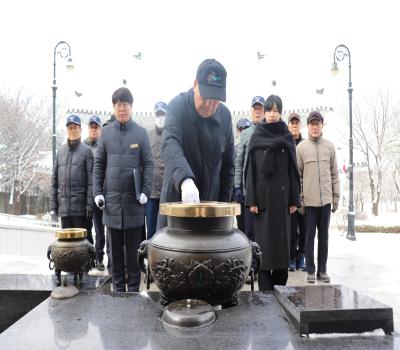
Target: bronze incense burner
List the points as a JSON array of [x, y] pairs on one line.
[[71, 252], [199, 255]]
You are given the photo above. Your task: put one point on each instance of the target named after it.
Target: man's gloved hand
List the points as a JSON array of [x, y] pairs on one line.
[[143, 199], [100, 201], [334, 207], [89, 214], [54, 212], [190, 193], [239, 198], [301, 210]]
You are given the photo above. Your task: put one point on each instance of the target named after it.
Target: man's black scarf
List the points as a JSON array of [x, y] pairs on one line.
[[271, 137]]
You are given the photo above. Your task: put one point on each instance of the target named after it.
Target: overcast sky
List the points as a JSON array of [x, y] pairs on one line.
[[297, 37]]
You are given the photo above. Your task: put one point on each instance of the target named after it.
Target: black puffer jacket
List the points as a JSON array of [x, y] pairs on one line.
[[120, 149], [71, 190]]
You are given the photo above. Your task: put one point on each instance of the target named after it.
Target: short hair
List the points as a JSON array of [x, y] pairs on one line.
[[273, 100], [122, 95]]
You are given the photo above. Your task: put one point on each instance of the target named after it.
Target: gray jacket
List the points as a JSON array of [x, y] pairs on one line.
[[319, 176], [241, 157], [155, 143], [71, 185], [91, 144], [121, 149]]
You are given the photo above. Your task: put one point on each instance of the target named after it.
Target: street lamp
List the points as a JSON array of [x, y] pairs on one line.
[[340, 53], [63, 50]]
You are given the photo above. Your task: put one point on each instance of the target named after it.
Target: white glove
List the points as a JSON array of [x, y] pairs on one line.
[[98, 199], [190, 193], [143, 198]]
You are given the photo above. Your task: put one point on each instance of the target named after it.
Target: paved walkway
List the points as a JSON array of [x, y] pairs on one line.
[[369, 265]]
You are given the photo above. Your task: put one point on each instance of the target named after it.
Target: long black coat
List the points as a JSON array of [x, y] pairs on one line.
[[71, 185], [272, 185], [198, 148], [120, 149]]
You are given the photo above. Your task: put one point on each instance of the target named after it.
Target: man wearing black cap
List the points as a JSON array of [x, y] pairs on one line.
[[153, 204], [71, 197], [297, 228], [94, 131], [320, 192], [257, 115], [198, 141]]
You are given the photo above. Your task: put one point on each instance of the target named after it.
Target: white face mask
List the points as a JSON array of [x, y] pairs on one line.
[[159, 121]]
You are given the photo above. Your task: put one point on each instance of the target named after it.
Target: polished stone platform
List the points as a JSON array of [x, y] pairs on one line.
[[21, 293], [333, 309], [95, 320]]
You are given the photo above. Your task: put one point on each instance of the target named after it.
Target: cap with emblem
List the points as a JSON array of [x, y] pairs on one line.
[[211, 77], [257, 100], [160, 107], [242, 124], [73, 119], [95, 119]]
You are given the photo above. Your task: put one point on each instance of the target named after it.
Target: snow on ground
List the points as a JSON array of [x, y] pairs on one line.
[[383, 219], [29, 221]]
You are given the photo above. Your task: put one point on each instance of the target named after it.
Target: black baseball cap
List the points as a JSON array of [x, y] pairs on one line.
[[73, 119], [315, 115], [160, 107], [211, 77], [95, 119], [293, 116], [243, 124], [257, 99]]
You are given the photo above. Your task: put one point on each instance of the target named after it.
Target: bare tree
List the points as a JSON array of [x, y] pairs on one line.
[[373, 134], [396, 168], [24, 131], [360, 187]]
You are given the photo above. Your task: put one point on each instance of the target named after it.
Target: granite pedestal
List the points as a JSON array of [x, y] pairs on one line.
[[95, 320], [21, 293], [333, 309]]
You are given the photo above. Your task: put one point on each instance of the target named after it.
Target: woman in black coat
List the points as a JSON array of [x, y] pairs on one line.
[[272, 192]]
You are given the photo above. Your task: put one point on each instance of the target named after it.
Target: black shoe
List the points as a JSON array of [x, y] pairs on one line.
[[100, 266], [323, 277]]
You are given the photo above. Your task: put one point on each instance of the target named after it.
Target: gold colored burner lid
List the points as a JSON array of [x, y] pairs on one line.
[[71, 233], [200, 210]]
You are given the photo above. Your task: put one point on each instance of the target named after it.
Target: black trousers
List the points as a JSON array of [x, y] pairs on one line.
[[297, 235], [77, 222], [151, 210], [129, 239], [317, 218], [249, 224], [267, 279], [99, 228]]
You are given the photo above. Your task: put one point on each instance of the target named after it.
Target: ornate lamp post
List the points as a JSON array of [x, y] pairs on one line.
[[63, 50], [340, 53]]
